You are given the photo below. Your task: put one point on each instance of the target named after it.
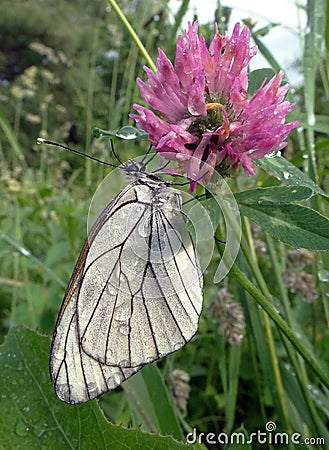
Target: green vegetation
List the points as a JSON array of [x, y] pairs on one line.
[[66, 68]]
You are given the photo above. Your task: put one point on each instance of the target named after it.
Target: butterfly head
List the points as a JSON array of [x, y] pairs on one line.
[[134, 170]]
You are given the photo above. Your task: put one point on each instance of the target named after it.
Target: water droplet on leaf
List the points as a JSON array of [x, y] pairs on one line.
[[271, 154], [39, 428], [21, 428], [323, 275]]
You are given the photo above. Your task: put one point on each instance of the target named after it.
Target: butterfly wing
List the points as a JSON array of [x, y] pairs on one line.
[[134, 297], [75, 375]]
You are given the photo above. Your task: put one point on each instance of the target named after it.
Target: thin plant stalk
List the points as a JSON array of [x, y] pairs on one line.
[[133, 34]]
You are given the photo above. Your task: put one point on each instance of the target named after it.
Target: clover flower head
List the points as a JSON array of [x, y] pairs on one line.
[[201, 112]]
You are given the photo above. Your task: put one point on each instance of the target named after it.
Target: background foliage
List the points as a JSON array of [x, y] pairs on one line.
[[65, 68]]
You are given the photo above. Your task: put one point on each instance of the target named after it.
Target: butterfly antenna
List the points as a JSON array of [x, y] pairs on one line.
[[146, 155], [162, 167], [115, 154], [56, 144]]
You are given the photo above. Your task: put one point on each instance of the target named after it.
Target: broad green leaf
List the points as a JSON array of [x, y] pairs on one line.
[[32, 417], [274, 195], [150, 402], [286, 172], [294, 225]]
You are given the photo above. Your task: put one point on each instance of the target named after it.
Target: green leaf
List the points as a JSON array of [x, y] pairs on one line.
[[256, 78], [294, 225], [32, 417], [127, 132], [151, 404], [286, 172], [274, 195]]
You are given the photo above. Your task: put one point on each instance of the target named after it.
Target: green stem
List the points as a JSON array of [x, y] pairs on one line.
[[132, 33], [250, 255], [281, 324], [249, 252], [279, 281]]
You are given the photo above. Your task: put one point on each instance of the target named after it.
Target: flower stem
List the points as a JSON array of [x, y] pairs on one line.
[[132, 33], [281, 324]]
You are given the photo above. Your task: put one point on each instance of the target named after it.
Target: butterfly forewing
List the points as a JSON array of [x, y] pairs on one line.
[[134, 297]]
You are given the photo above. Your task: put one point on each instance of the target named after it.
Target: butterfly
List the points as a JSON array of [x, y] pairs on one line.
[[135, 294]]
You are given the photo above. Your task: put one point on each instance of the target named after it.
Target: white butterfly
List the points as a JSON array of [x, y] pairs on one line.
[[135, 294]]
